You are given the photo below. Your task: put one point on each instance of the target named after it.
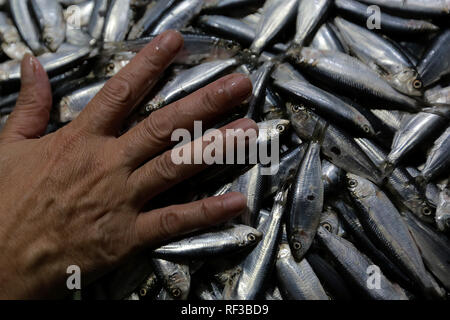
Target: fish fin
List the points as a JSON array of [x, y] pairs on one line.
[[319, 131], [421, 182], [281, 196], [387, 168]]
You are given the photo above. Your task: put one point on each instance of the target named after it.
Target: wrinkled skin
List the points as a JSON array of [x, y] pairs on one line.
[[76, 196]]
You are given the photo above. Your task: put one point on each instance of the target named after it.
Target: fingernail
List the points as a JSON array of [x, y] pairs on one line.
[[29, 68], [239, 86], [170, 41], [235, 202]]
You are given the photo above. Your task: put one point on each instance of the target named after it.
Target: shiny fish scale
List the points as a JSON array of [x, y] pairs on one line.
[[355, 265], [378, 52], [384, 224], [50, 17], [11, 43], [220, 242], [305, 202]]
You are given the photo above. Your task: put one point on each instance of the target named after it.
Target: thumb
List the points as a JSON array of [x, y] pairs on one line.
[[30, 117]]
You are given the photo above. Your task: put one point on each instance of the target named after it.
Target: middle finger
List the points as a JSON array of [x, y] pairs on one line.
[[152, 135]]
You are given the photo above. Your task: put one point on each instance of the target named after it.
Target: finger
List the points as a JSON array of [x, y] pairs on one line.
[[163, 224], [124, 91], [30, 117], [167, 170], [152, 135]]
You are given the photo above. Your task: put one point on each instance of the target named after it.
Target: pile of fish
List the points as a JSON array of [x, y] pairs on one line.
[[358, 94]]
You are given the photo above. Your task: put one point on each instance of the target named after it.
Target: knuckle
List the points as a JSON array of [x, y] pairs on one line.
[[211, 101], [107, 248], [205, 212], [66, 142], [169, 223], [117, 91], [164, 169], [26, 100], [152, 63], [157, 128]]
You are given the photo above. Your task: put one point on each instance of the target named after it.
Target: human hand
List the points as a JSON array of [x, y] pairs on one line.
[[76, 196]]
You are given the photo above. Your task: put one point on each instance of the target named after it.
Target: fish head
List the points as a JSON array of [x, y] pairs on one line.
[[299, 242], [309, 57], [179, 286], [408, 82], [322, 233], [271, 129], [366, 126], [53, 38], [329, 220], [302, 119], [249, 236], [355, 184], [231, 48]]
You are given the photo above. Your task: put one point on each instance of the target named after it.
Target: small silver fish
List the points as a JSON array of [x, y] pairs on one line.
[[11, 43], [49, 14], [98, 18], [310, 14], [188, 81], [227, 240], [117, 21], [72, 104], [175, 278], [276, 14], [25, 24], [179, 16]]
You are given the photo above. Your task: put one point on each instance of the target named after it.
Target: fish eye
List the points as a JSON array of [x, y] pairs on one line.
[[426, 210], [48, 41], [176, 292], [110, 67], [353, 183], [296, 108], [297, 245], [311, 197], [229, 45], [336, 151], [366, 128], [251, 237], [143, 292], [281, 128], [327, 226], [417, 84]]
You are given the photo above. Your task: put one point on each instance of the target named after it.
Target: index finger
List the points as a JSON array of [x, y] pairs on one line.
[[107, 110]]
